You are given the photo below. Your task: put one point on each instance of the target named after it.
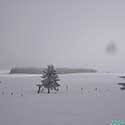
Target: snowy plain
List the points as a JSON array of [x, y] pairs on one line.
[[83, 99]]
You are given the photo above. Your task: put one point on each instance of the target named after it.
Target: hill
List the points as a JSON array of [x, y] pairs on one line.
[[33, 70]]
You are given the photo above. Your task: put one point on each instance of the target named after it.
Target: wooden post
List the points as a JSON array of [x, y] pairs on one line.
[[39, 88]]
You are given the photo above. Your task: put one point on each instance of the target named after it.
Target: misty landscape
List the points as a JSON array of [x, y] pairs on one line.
[[62, 62]]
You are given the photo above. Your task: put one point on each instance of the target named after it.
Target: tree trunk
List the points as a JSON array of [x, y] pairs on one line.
[[48, 90]]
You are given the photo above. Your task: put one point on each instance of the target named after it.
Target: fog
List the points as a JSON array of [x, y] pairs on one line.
[[66, 33]]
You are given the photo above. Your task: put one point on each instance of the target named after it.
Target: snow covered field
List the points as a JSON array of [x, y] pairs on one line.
[[91, 99]]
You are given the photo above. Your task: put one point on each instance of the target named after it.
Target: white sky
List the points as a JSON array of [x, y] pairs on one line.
[[66, 33]]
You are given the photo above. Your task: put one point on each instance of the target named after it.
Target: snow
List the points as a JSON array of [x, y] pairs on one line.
[[87, 106]]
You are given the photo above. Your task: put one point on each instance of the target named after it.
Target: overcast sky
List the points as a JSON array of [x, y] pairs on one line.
[[66, 33]]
